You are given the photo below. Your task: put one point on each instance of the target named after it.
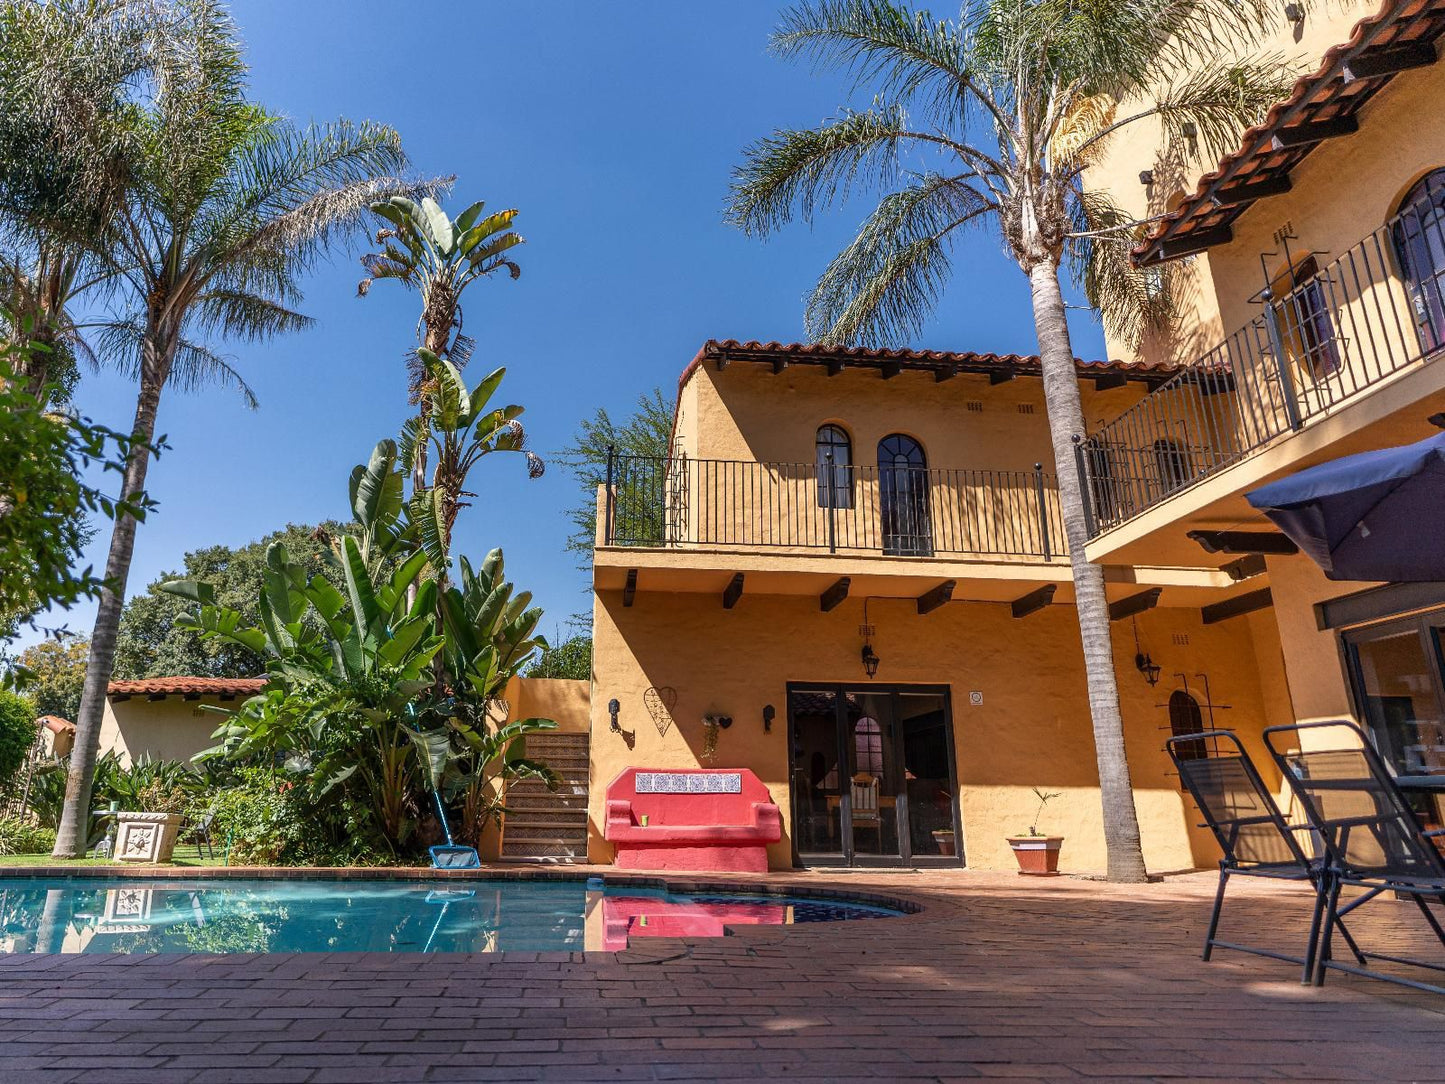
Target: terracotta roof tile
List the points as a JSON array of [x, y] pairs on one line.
[[1322, 94], [818, 353], [174, 686]]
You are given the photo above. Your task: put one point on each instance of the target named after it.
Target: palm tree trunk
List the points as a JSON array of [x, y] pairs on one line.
[[1066, 421], [74, 830]]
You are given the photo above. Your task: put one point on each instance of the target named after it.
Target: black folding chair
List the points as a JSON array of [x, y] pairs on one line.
[[1256, 839], [1371, 837], [200, 834]]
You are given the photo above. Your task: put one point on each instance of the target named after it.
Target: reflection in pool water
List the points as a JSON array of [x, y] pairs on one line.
[[62, 915]]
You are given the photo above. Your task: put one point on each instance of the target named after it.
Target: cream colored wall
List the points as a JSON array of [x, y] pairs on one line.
[[747, 412], [1204, 281], [169, 729], [562, 700], [1031, 730]]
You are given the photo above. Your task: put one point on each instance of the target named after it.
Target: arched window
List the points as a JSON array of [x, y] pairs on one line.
[[1305, 320], [1186, 718], [1419, 236], [1173, 463], [834, 452], [903, 493], [868, 746]]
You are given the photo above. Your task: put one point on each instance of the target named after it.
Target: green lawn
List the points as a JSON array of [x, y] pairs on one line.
[[45, 860]]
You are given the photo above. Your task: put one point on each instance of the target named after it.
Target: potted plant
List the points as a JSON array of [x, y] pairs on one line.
[[1038, 854], [943, 839]]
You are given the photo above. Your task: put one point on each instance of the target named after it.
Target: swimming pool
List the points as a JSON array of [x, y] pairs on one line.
[[119, 915]]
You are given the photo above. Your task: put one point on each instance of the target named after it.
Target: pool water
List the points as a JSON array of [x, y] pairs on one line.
[[116, 915]]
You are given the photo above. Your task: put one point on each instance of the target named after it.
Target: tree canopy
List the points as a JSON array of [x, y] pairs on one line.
[[54, 675], [152, 644]]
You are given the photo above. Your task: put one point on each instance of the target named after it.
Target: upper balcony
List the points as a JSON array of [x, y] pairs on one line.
[[1337, 358], [679, 504]]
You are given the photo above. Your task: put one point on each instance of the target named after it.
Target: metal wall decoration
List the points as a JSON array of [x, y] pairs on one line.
[[659, 701]]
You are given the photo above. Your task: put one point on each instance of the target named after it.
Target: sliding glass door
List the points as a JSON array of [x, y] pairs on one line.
[[872, 774], [1398, 673]]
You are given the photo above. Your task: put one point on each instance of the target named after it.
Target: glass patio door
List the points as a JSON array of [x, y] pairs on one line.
[[872, 776]]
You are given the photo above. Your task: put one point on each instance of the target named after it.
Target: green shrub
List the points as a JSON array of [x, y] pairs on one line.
[[17, 734], [25, 837], [256, 821]]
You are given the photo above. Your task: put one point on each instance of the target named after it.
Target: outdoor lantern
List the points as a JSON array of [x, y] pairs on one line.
[[870, 660], [1146, 666], [769, 714], [1146, 177], [613, 707]]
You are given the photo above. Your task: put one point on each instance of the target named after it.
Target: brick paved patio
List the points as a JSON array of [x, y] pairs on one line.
[[998, 977]]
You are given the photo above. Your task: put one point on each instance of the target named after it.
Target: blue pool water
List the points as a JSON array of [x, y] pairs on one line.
[[117, 915]]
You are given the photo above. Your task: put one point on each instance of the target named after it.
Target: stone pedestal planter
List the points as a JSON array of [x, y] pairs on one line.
[[145, 837]]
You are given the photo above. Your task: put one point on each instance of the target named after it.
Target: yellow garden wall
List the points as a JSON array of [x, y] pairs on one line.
[[561, 699], [1031, 730]]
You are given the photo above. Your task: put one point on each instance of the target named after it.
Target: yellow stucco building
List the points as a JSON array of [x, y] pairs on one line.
[[849, 566]]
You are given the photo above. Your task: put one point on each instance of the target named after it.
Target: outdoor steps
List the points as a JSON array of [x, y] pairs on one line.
[[543, 825]]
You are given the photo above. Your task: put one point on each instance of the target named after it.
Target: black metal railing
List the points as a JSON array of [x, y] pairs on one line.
[[1321, 338], [837, 508]]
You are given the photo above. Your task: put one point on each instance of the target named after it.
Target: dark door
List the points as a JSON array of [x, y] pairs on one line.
[[873, 778], [1419, 236], [903, 497]]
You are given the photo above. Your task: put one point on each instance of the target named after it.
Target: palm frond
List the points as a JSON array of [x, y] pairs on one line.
[[796, 170], [1131, 301], [882, 288], [197, 366], [241, 315]]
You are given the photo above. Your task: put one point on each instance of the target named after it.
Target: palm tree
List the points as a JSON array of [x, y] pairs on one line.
[[221, 207], [992, 118], [439, 257]]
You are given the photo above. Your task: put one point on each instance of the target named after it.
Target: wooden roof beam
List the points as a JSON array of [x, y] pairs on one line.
[[933, 599], [946, 372], [1270, 542], [1247, 566], [890, 369], [733, 591], [835, 367], [1382, 63], [832, 598], [1135, 604], [1034, 601], [1310, 132], [1250, 191], [779, 364], [630, 591], [1002, 376], [1234, 607], [1190, 243], [1110, 380]]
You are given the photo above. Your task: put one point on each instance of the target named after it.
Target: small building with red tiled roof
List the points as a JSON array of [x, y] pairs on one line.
[[169, 718]]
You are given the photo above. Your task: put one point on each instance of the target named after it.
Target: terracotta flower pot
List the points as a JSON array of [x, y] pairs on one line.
[[1038, 856], [943, 839]]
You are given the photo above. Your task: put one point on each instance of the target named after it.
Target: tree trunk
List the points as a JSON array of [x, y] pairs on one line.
[[1066, 420], [74, 830]]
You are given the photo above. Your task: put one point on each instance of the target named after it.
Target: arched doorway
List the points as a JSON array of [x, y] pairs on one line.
[[1186, 718], [903, 496], [1419, 237]]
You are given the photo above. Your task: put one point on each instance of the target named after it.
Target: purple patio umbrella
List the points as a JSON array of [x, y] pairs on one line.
[[1372, 516]]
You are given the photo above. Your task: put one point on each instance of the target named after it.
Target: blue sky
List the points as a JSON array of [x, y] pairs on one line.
[[612, 127]]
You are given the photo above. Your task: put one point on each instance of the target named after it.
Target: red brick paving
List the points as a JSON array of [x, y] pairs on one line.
[[997, 978]]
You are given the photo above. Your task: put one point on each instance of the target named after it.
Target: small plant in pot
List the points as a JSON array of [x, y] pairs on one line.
[[1038, 854]]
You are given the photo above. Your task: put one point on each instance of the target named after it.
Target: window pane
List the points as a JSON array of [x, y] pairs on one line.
[[1399, 700]]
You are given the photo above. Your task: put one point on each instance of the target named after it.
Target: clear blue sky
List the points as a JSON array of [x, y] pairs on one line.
[[612, 127]]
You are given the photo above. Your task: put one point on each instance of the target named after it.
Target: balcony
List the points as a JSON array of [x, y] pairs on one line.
[[681, 503], [1323, 339]]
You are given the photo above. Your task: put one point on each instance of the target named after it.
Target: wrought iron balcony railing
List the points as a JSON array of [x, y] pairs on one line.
[[1324, 335], [680, 502]]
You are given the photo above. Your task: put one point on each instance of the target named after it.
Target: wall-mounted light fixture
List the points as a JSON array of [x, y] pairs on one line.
[[870, 660], [869, 656], [613, 707], [769, 714], [1142, 662], [1146, 666], [1146, 177], [1295, 13], [1189, 130]]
